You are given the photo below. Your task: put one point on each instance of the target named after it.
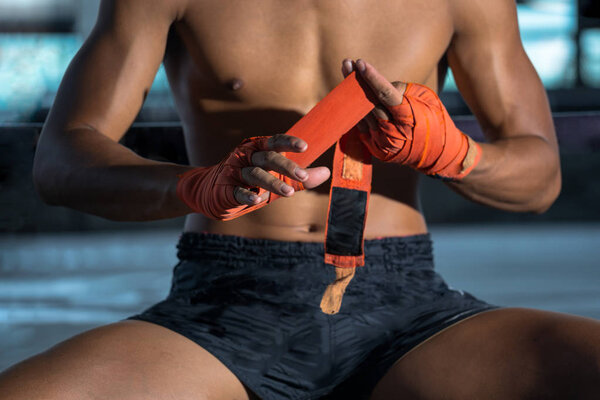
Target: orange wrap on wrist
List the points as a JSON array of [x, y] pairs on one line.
[[422, 135], [210, 190]]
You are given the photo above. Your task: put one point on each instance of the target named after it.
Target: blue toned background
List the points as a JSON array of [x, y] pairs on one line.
[[62, 272], [32, 63]]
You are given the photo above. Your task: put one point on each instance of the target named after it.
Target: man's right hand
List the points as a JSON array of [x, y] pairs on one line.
[[244, 180], [291, 176]]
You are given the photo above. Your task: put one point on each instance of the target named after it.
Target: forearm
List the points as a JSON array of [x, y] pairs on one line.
[[514, 174], [89, 172]]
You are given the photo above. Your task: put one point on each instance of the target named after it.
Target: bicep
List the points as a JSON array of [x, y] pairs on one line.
[[106, 82], [494, 74]]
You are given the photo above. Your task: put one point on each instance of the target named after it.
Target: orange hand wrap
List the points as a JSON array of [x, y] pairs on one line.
[[210, 190], [422, 135]]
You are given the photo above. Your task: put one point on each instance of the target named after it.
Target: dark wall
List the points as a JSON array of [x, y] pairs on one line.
[[21, 209]]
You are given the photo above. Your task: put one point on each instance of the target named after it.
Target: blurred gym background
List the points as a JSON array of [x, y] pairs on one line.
[[62, 272]]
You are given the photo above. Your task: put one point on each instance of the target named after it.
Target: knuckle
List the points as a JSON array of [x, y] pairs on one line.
[[270, 156], [258, 158], [385, 94], [246, 174], [254, 172], [277, 140], [251, 174]]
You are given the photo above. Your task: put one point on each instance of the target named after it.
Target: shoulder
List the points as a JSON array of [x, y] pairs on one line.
[[483, 17], [142, 10]]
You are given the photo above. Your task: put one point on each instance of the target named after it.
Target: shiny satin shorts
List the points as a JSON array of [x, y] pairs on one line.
[[255, 305]]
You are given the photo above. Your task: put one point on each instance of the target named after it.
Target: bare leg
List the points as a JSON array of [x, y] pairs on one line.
[[502, 354], [125, 360]]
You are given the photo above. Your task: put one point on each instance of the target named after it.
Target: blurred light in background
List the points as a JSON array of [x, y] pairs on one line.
[[548, 29], [38, 38], [591, 55], [38, 15]]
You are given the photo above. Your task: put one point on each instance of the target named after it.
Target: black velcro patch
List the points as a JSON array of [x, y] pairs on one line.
[[346, 222]]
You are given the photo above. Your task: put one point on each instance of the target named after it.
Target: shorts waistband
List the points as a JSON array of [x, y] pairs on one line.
[[398, 249]]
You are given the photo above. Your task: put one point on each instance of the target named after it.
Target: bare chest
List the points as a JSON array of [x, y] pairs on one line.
[[288, 53]]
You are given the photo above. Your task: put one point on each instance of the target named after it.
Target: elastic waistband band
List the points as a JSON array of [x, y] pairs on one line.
[[401, 249]]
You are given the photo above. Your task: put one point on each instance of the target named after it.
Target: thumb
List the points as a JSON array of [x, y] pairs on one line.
[[316, 176]]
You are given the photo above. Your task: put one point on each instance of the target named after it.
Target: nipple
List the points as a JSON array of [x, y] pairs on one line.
[[235, 84]]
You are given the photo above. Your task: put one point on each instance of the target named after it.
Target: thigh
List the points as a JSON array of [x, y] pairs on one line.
[[125, 360], [501, 354]]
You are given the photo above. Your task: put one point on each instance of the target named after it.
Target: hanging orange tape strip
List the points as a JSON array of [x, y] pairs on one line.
[[325, 124], [333, 120]]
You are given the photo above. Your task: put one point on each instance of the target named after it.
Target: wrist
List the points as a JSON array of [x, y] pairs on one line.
[[176, 189], [422, 135], [465, 161]]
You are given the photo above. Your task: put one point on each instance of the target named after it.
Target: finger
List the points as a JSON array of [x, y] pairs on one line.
[[368, 124], [362, 126], [371, 123], [381, 113], [274, 161], [256, 176], [386, 93], [282, 142], [246, 196], [316, 176], [347, 67]]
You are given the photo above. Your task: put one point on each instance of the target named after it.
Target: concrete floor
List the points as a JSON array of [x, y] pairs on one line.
[[55, 286]]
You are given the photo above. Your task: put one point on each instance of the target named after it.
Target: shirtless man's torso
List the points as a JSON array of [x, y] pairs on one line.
[[285, 58], [246, 68]]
